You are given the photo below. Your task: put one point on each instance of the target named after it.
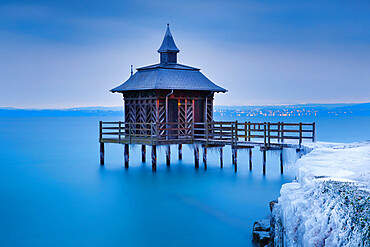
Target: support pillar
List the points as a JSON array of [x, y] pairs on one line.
[[127, 155], [221, 157], [232, 155], [235, 154], [250, 159], [154, 158], [196, 157], [102, 153], [205, 157], [264, 162], [281, 162], [180, 151], [143, 153], [168, 155]]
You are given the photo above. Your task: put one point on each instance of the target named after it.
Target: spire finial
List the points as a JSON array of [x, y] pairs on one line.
[[168, 24], [131, 70]]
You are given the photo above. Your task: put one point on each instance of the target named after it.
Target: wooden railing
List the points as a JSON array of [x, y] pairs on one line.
[[226, 132]]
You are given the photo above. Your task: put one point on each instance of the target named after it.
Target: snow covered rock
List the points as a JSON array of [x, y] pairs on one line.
[[261, 232], [329, 203]]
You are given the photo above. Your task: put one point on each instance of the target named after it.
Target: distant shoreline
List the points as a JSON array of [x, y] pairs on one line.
[[300, 110]]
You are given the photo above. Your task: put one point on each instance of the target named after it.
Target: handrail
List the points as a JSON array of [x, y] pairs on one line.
[[233, 132]]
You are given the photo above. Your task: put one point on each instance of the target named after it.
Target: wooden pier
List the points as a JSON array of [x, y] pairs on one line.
[[238, 135]]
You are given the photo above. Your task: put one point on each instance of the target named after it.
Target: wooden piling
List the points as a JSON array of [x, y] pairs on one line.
[[221, 157], [102, 153], [127, 155], [235, 159], [232, 155], [180, 151], [281, 162], [154, 158], [168, 155], [264, 162], [196, 157], [250, 159], [143, 153], [205, 157]]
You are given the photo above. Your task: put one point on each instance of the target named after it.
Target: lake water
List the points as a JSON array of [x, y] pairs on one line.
[[53, 191]]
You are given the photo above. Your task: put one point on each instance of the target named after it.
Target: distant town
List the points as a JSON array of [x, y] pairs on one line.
[[310, 110]]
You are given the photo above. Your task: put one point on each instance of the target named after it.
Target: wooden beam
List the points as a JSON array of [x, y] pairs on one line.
[[235, 159], [264, 162], [180, 151], [126, 155], [205, 157], [154, 158], [102, 153], [143, 153], [196, 157], [250, 159], [232, 155], [168, 155], [281, 162], [221, 157]]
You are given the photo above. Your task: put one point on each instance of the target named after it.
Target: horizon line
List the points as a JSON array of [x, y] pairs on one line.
[[257, 105]]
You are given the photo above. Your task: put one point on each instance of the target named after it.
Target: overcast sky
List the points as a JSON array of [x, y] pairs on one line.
[[70, 53]]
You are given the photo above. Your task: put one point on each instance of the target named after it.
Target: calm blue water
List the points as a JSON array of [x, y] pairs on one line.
[[53, 191]]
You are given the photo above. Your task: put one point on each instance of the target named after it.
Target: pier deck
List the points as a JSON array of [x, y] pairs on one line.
[[245, 135]]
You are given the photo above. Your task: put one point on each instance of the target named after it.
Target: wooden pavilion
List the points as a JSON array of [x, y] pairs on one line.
[[172, 104], [168, 92]]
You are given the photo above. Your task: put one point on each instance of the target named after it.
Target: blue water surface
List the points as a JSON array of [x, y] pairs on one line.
[[53, 191]]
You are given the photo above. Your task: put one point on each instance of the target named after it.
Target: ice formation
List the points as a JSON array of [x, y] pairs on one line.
[[329, 203]]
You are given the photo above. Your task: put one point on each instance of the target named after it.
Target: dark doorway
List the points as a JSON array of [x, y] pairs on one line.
[[199, 117], [173, 116]]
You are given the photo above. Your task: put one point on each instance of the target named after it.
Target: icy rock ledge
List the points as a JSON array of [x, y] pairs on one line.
[[261, 232], [329, 203]]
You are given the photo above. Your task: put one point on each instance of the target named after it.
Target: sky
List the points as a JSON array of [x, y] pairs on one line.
[[59, 54]]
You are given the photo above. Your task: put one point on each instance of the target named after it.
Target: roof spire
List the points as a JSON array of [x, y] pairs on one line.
[[168, 49]]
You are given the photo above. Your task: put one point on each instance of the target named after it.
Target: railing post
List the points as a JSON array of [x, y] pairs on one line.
[[220, 130], [236, 132], [269, 133], [129, 132], [314, 131], [192, 132], [245, 131], [151, 133], [119, 132], [282, 132], [300, 134], [249, 131], [232, 133], [264, 134], [206, 123], [100, 130], [101, 143]]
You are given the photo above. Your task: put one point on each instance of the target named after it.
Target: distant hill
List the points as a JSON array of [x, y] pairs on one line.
[[69, 112], [362, 109]]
